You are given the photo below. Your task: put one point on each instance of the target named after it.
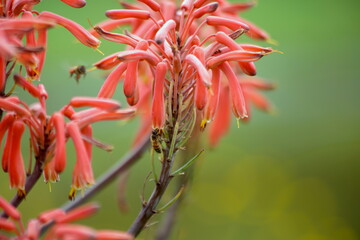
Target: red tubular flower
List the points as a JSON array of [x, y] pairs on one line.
[[212, 104], [33, 90], [105, 116], [237, 95], [2, 72], [16, 163], [209, 8], [18, 5], [108, 62], [168, 9], [200, 68], [50, 174], [126, 13], [158, 108], [50, 215], [9, 106], [75, 3], [72, 231], [229, 23], [238, 55], [238, 7], [201, 96], [134, 99], [33, 229], [9, 209], [164, 31], [151, 4], [5, 124], [79, 213], [41, 41], [7, 226], [108, 88], [109, 25], [133, 55], [82, 174], [222, 121], [247, 67], [87, 135], [60, 149], [104, 104], [77, 30], [115, 37], [132, 72]]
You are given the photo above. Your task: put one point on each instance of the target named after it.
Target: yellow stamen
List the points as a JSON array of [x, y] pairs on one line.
[[277, 51], [49, 184], [238, 122], [21, 192], [203, 125], [72, 193], [98, 50]]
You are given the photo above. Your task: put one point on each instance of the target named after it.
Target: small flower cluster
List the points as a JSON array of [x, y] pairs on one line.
[[23, 40], [49, 133], [62, 228], [181, 58]]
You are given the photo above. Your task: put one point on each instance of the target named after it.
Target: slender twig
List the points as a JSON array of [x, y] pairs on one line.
[[149, 207], [120, 167]]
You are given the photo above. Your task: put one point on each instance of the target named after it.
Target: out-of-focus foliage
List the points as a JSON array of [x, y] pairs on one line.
[[293, 175]]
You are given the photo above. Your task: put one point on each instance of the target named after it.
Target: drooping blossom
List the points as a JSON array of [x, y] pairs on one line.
[[49, 134], [63, 227]]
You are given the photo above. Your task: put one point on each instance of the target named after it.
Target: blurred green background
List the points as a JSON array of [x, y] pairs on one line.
[[291, 175]]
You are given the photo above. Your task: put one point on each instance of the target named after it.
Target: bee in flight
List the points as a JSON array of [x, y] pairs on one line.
[[155, 139], [78, 71]]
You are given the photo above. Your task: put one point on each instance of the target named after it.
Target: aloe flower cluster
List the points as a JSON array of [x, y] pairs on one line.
[[181, 58], [182, 64]]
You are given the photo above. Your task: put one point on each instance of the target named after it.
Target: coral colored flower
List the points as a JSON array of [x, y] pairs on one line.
[[196, 42], [49, 133], [75, 3], [16, 163], [82, 174]]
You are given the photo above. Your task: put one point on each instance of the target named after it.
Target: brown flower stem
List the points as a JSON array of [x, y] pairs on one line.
[[149, 207], [168, 155], [168, 222], [120, 167]]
